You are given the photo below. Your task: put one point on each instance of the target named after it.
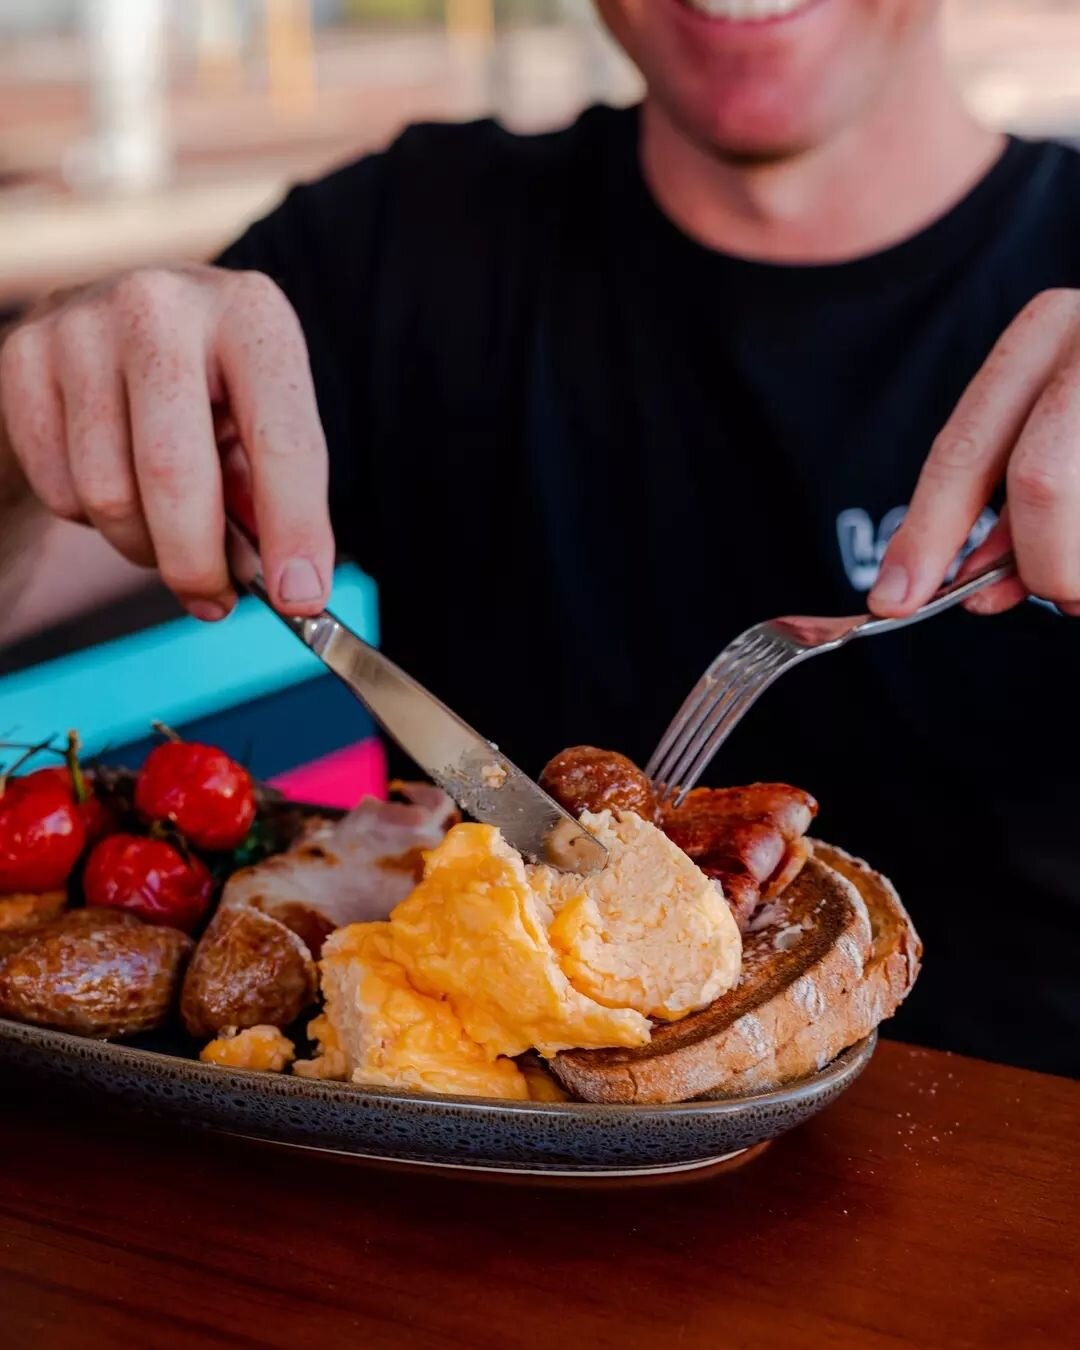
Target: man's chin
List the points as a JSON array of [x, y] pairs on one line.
[[750, 155], [755, 147], [750, 135]]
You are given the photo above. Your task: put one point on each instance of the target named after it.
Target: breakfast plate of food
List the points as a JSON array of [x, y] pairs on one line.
[[400, 984]]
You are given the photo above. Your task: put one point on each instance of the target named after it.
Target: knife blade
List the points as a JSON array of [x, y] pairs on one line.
[[469, 768]]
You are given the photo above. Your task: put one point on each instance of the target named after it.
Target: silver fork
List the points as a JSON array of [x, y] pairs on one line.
[[746, 667]]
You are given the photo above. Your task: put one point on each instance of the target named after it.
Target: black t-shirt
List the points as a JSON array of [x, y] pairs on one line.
[[581, 452]]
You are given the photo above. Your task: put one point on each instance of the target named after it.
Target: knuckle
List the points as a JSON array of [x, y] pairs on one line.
[[60, 500], [256, 288], [161, 467], [955, 450], [109, 502], [75, 332], [147, 290], [149, 314], [256, 299], [1059, 395], [289, 441], [20, 354], [1034, 486]]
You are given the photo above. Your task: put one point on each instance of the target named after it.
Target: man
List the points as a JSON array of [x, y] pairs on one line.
[[598, 400]]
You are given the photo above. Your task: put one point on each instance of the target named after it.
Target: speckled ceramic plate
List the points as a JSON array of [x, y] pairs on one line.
[[459, 1132]]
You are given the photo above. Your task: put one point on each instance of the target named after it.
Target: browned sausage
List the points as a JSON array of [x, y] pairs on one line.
[[787, 809], [586, 779], [747, 838]]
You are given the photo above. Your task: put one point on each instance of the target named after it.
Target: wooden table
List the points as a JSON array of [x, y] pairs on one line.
[[934, 1205]]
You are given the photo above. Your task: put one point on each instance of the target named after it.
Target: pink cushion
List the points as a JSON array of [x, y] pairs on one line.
[[339, 779]]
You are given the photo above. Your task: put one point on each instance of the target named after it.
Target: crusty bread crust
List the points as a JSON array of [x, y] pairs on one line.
[[824, 963], [890, 973], [894, 933]]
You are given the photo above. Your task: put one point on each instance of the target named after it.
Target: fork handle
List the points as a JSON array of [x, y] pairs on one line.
[[948, 596]]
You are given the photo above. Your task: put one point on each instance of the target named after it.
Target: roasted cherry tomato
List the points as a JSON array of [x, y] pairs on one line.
[[149, 878], [97, 819], [200, 790], [41, 833]]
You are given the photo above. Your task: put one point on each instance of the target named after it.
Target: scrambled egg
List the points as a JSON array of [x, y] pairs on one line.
[[489, 957], [254, 1048], [330, 1061], [387, 1033], [649, 932], [476, 930]]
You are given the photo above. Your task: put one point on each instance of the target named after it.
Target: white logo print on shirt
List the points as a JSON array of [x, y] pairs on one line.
[[862, 547]]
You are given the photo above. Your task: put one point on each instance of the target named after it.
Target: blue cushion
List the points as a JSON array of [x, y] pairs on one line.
[[187, 674]]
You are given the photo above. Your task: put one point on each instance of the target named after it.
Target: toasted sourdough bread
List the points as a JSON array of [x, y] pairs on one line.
[[823, 964]]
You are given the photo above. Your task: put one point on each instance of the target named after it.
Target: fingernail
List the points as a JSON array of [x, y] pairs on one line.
[[210, 611], [299, 582], [891, 587]]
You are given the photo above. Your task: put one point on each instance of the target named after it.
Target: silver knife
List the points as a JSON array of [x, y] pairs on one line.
[[467, 767]]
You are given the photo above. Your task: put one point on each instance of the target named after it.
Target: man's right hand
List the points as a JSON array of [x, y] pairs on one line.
[[129, 404]]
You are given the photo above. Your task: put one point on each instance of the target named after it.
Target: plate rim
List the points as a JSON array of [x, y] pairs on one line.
[[288, 1085]]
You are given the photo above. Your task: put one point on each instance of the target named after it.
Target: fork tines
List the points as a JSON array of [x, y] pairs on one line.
[[742, 671], [747, 666]]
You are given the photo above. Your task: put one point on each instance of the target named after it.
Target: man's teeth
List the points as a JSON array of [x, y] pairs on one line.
[[747, 9]]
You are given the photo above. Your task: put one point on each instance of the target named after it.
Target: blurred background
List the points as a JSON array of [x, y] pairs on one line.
[[133, 131]]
